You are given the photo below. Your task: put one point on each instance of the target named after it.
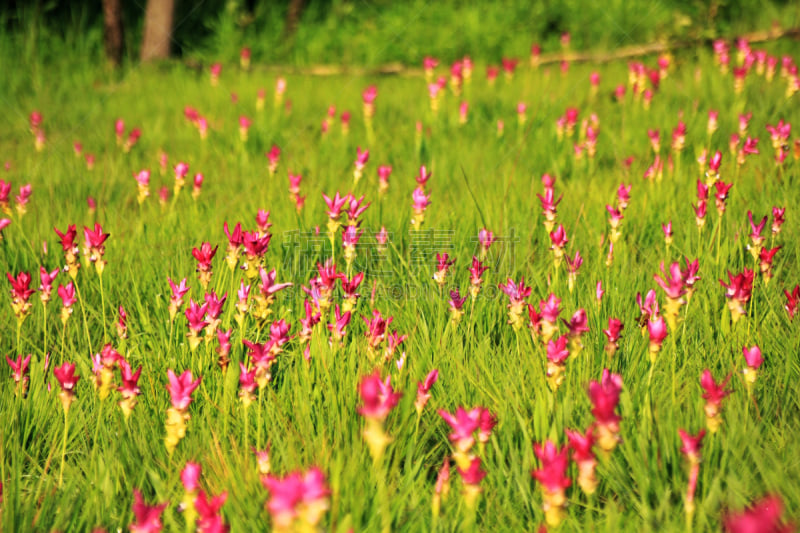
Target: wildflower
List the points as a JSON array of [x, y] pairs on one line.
[[384, 171], [558, 240], [442, 487], [197, 185], [550, 311], [361, 161], [148, 517], [181, 170], [604, 396], [456, 304], [674, 288], [721, 195], [599, 292], [424, 390], [67, 379], [20, 294], [379, 399], [195, 315], [224, 348], [657, 329], [549, 205], [765, 262], [349, 288], [423, 176], [369, 95], [464, 425], [485, 240], [738, 291], [753, 358], [209, 519], [297, 501], [557, 354], [335, 206], [581, 445], [714, 394], [573, 265], [443, 264], [255, 246], [421, 201], [516, 294], [476, 277], [204, 255], [612, 335], [472, 477], [94, 246], [180, 390], [103, 364], [337, 328], [763, 516], [266, 293], [553, 478], [68, 299], [792, 300], [756, 237], [691, 449], [20, 370], [273, 156], [235, 241], [23, 198], [778, 218], [129, 388], [214, 305], [376, 331]]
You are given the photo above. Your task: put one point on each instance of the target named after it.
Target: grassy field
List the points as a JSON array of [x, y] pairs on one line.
[[482, 177]]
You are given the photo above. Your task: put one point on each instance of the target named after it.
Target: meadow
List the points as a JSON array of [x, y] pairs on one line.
[[580, 188]]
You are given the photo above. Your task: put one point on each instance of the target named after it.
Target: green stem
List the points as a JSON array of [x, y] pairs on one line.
[[383, 495], [103, 308], [246, 427], [83, 312], [63, 450]]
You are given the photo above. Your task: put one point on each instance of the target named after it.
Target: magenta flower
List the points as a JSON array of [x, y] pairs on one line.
[[46, 287], [376, 330], [190, 477], [423, 176], [336, 204], [738, 291], [554, 480], [792, 300], [612, 335], [424, 390], [338, 327], [209, 519], [378, 396], [129, 386], [421, 201], [464, 424], [557, 354], [298, 500], [67, 379], [20, 370], [472, 475], [763, 516], [20, 294], [713, 395], [148, 517], [443, 264], [604, 396], [778, 218], [181, 388], [581, 445]]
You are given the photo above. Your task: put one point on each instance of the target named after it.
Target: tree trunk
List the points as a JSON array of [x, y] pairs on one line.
[[112, 30], [157, 29], [293, 13]]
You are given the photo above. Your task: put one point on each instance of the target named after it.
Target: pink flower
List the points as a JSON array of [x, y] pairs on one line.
[[297, 496], [604, 396], [148, 517], [792, 301], [423, 176], [738, 291], [20, 369], [691, 444], [752, 357], [210, 519], [464, 424], [473, 474], [378, 396], [763, 516], [181, 388], [553, 473], [190, 477], [421, 201], [336, 204], [337, 328], [713, 395], [424, 390]]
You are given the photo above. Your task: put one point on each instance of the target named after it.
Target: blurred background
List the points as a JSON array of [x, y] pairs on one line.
[[364, 32]]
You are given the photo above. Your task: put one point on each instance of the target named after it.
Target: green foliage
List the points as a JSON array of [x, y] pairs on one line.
[[308, 413]]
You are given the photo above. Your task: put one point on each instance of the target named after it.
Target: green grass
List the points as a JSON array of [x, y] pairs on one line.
[[308, 413]]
